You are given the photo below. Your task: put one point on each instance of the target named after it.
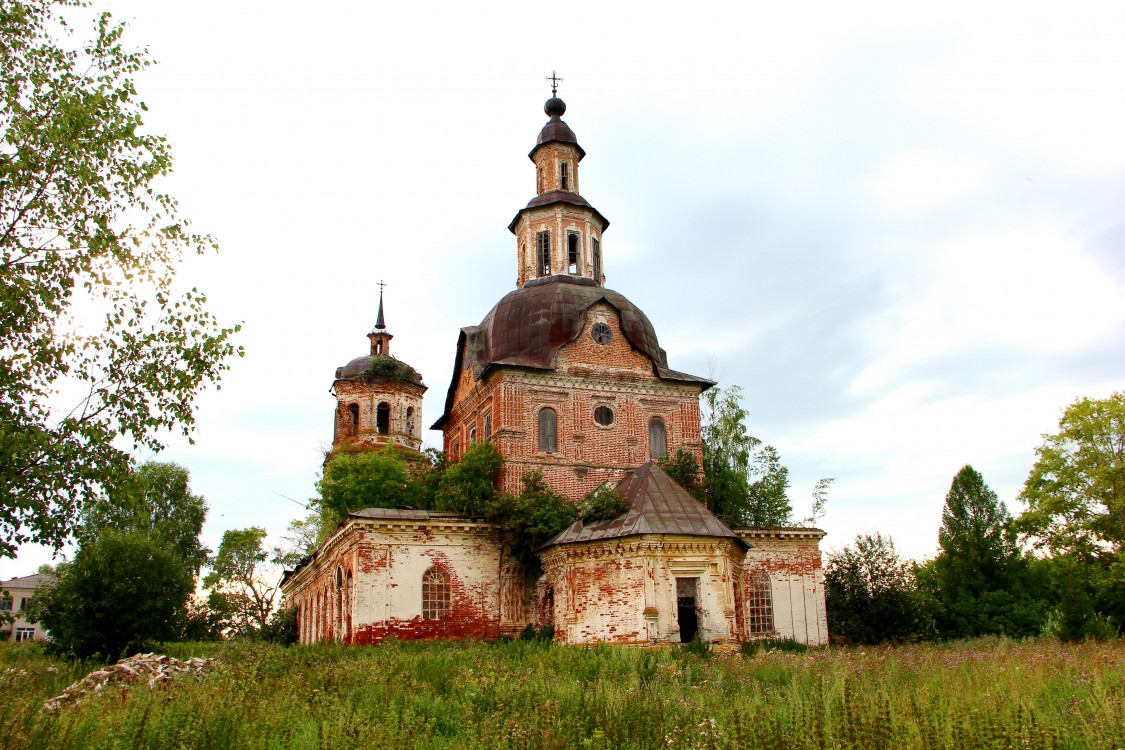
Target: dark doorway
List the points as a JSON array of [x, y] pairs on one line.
[[687, 593]]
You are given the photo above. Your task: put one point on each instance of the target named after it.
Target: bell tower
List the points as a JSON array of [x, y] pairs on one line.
[[558, 231], [378, 397]]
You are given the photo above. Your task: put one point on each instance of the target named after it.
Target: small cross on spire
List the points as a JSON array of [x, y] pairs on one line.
[[554, 79]]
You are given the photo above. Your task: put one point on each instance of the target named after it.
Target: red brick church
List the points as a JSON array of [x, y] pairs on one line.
[[566, 378]]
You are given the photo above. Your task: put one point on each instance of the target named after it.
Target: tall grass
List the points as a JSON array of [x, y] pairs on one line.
[[983, 694]]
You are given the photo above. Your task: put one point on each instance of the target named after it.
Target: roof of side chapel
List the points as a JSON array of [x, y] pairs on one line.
[[657, 505]]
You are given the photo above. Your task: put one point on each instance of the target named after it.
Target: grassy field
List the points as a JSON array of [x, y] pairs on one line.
[[984, 694]]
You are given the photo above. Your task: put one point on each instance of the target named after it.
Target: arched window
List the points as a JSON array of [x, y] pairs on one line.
[[759, 603], [487, 426], [353, 419], [548, 431], [410, 420], [572, 252], [436, 594], [339, 578], [543, 243], [383, 418], [378, 347], [657, 438], [563, 182], [456, 449], [597, 261]]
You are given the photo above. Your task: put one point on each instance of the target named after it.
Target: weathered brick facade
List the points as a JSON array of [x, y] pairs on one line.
[[365, 582], [567, 378], [586, 376]]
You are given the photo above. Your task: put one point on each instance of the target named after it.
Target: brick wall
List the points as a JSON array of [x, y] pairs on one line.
[[624, 590], [791, 558], [365, 584], [405, 427], [587, 375]]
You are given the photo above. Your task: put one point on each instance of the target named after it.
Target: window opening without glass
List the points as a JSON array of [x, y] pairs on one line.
[[572, 252], [603, 415], [383, 418], [543, 244]]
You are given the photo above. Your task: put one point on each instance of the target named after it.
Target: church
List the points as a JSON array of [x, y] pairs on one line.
[[566, 378]]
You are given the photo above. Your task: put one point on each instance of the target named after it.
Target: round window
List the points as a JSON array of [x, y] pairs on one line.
[[603, 415], [601, 332]]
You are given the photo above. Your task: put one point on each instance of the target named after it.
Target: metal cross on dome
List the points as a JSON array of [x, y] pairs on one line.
[[381, 285], [554, 79]]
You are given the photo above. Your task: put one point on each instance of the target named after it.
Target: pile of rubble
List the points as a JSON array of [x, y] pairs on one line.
[[158, 668]]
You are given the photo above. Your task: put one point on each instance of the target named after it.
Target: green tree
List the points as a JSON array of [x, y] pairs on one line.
[[531, 518], [122, 592], [979, 577], [684, 470], [301, 539], [746, 484], [872, 595], [156, 500], [1075, 495], [101, 351], [469, 485], [241, 585], [371, 479]]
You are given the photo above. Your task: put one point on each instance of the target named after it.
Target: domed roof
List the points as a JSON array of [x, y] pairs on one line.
[[379, 367], [556, 131], [528, 327]]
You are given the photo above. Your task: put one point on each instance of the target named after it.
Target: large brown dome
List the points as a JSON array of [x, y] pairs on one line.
[[528, 327]]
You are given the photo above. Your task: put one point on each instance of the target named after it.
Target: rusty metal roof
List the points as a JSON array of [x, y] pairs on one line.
[[528, 327], [556, 131], [657, 505], [552, 197]]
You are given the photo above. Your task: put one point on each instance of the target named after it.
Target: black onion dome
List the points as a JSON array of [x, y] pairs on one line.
[[556, 131], [528, 327], [379, 367]]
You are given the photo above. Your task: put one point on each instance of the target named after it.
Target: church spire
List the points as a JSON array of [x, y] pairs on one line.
[[380, 324], [558, 232], [379, 338]]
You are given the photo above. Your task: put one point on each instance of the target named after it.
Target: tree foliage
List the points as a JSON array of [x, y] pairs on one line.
[[602, 504], [979, 578], [469, 485], [100, 349], [746, 484], [1075, 493], [370, 479], [122, 592], [531, 518], [872, 595], [240, 584], [157, 501], [682, 467]]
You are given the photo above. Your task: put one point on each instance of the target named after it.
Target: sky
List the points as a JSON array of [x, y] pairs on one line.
[[899, 229]]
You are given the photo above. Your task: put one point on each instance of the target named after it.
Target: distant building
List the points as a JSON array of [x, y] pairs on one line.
[[15, 597], [567, 378]]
